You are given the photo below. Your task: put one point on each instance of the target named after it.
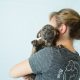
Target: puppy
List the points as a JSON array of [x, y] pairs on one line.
[[48, 37]]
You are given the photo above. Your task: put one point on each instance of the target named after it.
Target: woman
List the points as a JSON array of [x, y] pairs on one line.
[[60, 62]]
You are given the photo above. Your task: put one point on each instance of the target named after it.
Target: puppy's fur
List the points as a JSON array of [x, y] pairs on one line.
[[48, 37]]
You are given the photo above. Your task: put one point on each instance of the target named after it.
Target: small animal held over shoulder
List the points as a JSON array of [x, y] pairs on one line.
[[48, 37]]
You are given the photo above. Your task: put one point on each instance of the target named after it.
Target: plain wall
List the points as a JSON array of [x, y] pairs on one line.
[[19, 22]]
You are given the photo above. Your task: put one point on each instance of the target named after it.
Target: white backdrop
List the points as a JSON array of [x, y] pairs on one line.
[[19, 22]]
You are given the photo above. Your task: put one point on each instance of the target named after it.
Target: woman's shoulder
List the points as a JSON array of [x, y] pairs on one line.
[[50, 49]]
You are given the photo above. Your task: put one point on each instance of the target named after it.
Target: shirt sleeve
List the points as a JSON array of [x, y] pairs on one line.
[[40, 61]]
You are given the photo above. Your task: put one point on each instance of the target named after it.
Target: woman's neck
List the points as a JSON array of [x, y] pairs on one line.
[[68, 43]]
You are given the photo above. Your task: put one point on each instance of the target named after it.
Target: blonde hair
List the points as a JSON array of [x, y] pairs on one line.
[[71, 19]]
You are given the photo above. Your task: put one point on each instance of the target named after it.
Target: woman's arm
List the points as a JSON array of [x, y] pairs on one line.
[[21, 69]]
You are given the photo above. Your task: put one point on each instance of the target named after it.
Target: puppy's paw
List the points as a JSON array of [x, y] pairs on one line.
[[34, 43]]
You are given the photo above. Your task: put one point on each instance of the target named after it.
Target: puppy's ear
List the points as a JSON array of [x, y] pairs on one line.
[[39, 34]]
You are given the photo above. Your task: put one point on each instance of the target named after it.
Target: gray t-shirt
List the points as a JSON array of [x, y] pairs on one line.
[[55, 63]]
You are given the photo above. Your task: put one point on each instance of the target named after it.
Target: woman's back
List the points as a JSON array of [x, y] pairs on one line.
[[55, 63]]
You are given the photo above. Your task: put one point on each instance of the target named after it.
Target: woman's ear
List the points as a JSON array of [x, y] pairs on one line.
[[62, 28]]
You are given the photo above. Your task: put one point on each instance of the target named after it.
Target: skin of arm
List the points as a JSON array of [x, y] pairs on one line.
[[21, 69]]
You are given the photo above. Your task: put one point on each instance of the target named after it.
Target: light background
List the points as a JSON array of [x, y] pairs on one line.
[[19, 22]]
